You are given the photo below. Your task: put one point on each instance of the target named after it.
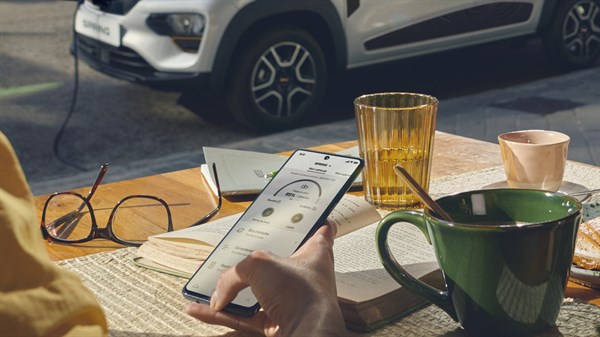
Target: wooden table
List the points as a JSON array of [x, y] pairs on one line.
[[190, 198]]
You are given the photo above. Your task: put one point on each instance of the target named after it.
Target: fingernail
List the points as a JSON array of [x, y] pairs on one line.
[[213, 301]]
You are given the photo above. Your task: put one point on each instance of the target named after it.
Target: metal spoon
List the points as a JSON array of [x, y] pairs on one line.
[[585, 192], [420, 192]]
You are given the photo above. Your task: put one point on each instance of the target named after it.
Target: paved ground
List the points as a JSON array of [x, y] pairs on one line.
[[568, 103]]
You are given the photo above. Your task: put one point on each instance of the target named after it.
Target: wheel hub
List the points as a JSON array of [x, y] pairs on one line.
[[283, 79], [581, 30]]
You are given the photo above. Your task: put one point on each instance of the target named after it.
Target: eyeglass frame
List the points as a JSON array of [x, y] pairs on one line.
[[106, 232], [96, 231]]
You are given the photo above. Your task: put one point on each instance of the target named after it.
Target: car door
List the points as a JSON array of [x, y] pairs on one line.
[[380, 30]]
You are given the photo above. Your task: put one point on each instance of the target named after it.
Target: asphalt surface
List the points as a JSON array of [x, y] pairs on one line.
[[113, 121], [569, 103]]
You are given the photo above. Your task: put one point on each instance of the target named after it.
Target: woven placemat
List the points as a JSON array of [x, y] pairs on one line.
[[582, 174], [575, 319], [138, 301], [142, 302]]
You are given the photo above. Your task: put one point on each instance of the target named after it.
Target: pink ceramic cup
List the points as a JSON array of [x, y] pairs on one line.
[[534, 159]]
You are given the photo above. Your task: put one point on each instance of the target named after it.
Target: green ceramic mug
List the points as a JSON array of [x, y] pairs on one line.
[[505, 257]]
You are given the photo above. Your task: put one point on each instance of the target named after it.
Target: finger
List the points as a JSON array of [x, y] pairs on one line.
[[331, 224], [321, 241], [228, 286], [238, 277], [258, 323], [328, 231]]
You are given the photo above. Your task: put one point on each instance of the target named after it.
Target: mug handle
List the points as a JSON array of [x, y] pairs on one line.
[[440, 298]]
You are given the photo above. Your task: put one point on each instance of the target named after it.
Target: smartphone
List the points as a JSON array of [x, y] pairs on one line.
[[291, 207]]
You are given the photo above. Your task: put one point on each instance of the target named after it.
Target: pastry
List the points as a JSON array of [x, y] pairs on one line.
[[587, 246]]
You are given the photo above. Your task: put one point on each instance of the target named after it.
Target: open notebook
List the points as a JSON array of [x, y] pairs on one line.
[[247, 172]]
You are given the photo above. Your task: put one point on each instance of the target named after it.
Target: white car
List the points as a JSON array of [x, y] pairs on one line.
[[270, 59]]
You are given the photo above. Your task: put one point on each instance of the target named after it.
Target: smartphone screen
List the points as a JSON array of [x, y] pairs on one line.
[[289, 210]]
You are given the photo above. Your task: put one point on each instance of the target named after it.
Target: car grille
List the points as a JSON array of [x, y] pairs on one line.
[[119, 7], [120, 58]]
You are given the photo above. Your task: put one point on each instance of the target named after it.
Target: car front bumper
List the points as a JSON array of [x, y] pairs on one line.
[[124, 63]]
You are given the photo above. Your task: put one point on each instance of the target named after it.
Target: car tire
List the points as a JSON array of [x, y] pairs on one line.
[[278, 79], [573, 36]]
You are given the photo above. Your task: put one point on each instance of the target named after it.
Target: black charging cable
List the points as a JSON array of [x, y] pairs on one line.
[[60, 132]]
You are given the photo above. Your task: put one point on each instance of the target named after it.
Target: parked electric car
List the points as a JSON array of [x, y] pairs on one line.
[[270, 59]]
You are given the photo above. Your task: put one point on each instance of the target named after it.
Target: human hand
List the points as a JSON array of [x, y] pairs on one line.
[[297, 294]]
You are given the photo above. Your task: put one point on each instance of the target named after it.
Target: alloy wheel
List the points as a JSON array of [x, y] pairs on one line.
[[581, 30], [283, 78]]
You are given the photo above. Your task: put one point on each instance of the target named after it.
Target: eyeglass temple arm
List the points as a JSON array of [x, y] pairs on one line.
[[101, 174], [219, 202], [64, 226]]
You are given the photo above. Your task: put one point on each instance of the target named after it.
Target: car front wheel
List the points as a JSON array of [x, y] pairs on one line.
[[573, 37], [278, 79]]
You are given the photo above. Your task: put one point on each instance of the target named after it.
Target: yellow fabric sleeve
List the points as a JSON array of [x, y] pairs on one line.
[[37, 297]]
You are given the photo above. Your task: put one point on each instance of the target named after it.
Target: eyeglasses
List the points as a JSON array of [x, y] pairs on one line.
[[68, 217]]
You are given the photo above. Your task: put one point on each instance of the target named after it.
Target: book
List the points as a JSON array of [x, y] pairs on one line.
[[181, 252], [240, 172], [247, 172], [369, 298]]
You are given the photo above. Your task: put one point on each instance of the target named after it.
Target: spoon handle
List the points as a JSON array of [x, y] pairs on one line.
[[425, 198], [585, 192]]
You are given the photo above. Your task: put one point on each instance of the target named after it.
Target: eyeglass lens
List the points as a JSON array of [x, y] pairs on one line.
[[137, 218], [67, 217]]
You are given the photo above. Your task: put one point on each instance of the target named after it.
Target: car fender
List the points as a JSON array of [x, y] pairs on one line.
[[547, 14], [259, 10]]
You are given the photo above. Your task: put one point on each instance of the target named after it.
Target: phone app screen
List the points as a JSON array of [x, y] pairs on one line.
[[280, 218]]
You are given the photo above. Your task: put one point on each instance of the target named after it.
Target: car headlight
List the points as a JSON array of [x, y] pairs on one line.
[[185, 29], [186, 24]]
